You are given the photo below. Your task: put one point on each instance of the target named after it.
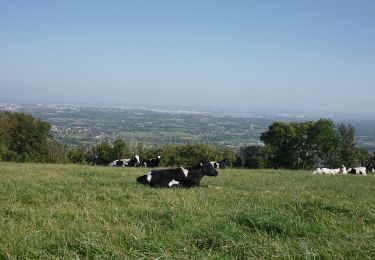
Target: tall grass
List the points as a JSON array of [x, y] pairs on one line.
[[69, 211]]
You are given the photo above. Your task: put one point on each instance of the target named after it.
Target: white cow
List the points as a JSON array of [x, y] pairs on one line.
[[328, 171]]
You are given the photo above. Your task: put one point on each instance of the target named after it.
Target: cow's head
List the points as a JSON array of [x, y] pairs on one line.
[[208, 169], [134, 161], [137, 159], [343, 169], [215, 165]]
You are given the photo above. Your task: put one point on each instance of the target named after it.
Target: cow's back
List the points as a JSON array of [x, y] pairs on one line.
[[162, 177]]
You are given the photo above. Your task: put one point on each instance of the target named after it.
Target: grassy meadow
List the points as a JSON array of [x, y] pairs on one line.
[[70, 211]]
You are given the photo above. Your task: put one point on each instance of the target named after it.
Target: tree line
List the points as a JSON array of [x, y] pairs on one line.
[[296, 145], [305, 145]]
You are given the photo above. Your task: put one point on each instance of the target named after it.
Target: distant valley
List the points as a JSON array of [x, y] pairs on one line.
[[82, 125]]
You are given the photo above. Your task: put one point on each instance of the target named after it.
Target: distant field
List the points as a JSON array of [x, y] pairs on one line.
[[84, 125], [68, 211]]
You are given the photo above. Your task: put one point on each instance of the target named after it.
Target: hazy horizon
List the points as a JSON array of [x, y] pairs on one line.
[[315, 56], [245, 111]]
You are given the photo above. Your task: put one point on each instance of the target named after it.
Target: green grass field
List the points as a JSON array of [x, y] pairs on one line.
[[69, 211]]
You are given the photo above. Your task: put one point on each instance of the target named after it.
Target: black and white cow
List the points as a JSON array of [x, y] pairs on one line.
[[357, 170], [215, 164], [183, 177], [132, 162], [153, 162], [221, 164], [118, 163]]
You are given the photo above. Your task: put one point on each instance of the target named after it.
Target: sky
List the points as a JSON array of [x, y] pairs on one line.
[[301, 55]]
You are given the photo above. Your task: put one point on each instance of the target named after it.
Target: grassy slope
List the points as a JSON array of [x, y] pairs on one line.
[[68, 211]]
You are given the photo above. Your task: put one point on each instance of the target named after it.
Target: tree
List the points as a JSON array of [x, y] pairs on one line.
[[57, 152], [119, 149], [303, 149], [302, 145], [77, 155], [168, 155], [191, 154], [23, 137], [254, 156], [324, 143], [347, 148], [280, 137], [362, 157], [103, 153]]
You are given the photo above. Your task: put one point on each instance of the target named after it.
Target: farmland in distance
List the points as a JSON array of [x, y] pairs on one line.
[[83, 125]]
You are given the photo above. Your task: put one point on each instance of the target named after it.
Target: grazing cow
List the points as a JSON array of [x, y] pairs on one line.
[[357, 170], [221, 164], [328, 171], [183, 177], [153, 162]]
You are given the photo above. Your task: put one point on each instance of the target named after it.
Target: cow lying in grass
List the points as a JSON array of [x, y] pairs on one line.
[[221, 164], [341, 170], [189, 177], [151, 163], [132, 162], [357, 170]]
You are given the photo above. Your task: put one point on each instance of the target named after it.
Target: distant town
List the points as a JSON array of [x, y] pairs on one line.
[[83, 125]]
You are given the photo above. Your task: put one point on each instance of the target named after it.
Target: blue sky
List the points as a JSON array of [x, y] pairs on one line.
[[281, 55]]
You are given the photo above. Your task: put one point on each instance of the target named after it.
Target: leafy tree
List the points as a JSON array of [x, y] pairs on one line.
[[168, 155], [362, 157], [324, 143], [241, 157], [191, 154], [347, 150], [103, 153], [280, 137], [119, 149], [57, 152], [302, 145], [253, 156], [142, 150], [225, 152], [77, 155], [23, 137], [302, 153]]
